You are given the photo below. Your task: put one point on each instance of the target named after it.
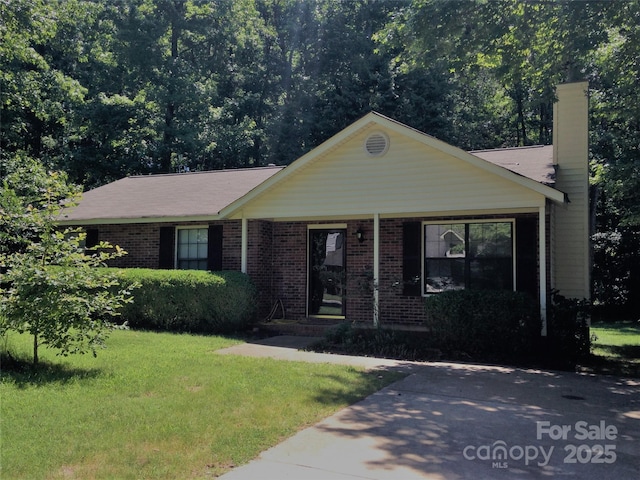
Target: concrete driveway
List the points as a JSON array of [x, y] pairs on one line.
[[459, 421]]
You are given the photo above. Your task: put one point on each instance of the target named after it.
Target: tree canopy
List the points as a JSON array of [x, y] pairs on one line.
[[104, 89], [49, 284]]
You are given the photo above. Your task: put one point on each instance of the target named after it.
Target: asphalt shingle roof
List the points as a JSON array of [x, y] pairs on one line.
[[534, 162], [171, 195], [205, 194]]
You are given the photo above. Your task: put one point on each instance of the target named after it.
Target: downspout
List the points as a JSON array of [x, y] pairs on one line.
[[376, 269], [245, 245], [542, 255]]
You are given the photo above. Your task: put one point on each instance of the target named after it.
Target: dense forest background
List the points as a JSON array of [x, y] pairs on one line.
[[104, 89]]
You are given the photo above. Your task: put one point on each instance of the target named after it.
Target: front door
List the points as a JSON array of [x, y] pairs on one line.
[[327, 272]]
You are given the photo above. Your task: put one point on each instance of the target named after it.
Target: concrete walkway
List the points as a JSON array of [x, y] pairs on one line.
[[459, 421]]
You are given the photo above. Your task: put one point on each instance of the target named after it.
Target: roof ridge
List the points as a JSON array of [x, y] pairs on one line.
[[504, 149], [223, 170]]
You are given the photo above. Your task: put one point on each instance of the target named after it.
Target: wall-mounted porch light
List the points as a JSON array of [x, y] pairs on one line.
[[360, 235]]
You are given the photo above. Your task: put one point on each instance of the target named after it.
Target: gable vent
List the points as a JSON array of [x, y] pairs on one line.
[[376, 144]]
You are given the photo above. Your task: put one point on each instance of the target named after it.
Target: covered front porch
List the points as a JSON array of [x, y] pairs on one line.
[[373, 272]]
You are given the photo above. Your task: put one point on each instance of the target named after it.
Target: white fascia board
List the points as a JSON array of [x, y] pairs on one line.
[[404, 214], [125, 221]]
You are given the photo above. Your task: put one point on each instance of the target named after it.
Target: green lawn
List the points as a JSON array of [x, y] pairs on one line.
[[160, 406], [616, 348]]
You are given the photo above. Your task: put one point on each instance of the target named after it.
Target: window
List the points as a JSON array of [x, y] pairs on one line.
[[468, 255], [92, 239], [88, 243], [192, 248]]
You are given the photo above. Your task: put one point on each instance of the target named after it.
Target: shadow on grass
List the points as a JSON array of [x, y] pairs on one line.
[[628, 327], [370, 381], [24, 373], [619, 366], [622, 360], [624, 351]]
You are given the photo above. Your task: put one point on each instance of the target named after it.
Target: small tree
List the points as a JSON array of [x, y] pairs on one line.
[[50, 286]]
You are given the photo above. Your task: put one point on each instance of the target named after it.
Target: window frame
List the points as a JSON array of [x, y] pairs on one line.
[[177, 246], [465, 221]]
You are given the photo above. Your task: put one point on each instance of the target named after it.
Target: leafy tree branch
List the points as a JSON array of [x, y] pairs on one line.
[[51, 287]]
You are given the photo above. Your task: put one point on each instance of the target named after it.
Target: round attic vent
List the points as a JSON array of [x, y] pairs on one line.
[[376, 144]]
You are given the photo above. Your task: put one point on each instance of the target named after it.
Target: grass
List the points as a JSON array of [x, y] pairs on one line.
[[615, 348], [160, 406]]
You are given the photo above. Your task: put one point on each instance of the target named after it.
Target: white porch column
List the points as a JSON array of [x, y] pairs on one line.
[[376, 268], [244, 245], [542, 255]]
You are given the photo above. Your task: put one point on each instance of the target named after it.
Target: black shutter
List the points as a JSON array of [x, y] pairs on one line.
[[92, 238], [214, 255], [411, 261], [167, 248], [527, 255]]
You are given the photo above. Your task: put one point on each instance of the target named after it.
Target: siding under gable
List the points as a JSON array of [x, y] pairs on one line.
[[411, 178]]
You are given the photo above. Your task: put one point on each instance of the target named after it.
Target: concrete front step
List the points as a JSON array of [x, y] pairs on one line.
[[306, 329]]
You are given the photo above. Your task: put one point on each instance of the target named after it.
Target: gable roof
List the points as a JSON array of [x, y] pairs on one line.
[[492, 164], [183, 196], [202, 196]]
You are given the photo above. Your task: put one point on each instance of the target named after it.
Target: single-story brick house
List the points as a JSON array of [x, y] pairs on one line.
[[371, 221]]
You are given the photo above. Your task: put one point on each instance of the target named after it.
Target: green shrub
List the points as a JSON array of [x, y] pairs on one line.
[[377, 342], [190, 300], [568, 338], [487, 323]]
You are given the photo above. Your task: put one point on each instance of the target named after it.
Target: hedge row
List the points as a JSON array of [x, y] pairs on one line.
[[484, 322], [189, 300], [503, 325], [568, 337]]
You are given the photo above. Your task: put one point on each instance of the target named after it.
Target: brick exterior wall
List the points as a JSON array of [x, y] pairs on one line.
[[289, 267], [395, 308], [231, 244], [260, 263], [360, 272], [277, 262], [141, 241]]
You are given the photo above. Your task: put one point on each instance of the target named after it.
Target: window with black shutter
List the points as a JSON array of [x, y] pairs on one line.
[[214, 252], [527, 255], [92, 239], [191, 248], [167, 250], [411, 259]]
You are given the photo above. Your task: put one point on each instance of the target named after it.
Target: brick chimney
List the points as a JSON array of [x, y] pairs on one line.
[[570, 231]]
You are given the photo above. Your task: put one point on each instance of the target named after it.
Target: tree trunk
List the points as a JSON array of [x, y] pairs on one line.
[[35, 348], [521, 122], [168, 137], [593, 219]]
